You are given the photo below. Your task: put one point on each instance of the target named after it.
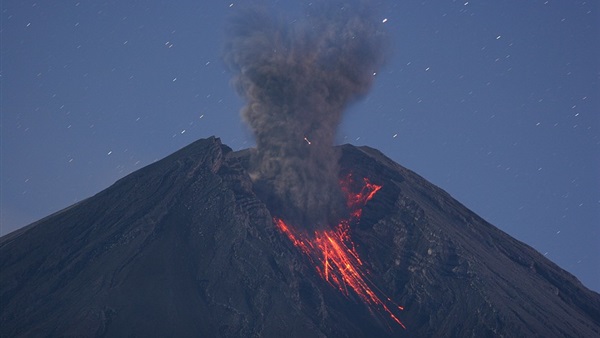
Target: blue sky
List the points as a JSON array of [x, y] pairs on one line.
[[495, 102]]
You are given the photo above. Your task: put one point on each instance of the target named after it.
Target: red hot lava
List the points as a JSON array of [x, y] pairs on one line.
[[335, 257]]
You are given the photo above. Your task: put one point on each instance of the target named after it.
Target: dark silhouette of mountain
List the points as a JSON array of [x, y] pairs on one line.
[[184, 247]]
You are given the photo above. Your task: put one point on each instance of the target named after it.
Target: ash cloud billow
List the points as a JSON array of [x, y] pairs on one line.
[[298, 76]]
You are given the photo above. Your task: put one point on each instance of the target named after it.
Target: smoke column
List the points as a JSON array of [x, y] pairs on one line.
[[298, 77]]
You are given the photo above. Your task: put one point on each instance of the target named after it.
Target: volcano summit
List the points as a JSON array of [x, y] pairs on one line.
[[188, 247]]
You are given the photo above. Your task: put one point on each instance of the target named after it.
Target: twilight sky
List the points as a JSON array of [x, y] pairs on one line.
[[496, 102]]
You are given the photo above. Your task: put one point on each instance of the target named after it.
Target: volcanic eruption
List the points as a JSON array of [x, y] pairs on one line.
[[298, 79], [295, 238], [298, 76]]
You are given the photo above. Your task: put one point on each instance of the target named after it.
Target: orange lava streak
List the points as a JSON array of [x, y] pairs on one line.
[[335, 257], [355, 201]]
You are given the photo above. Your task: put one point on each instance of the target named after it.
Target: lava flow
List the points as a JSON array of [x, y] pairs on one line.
[[335, 257]]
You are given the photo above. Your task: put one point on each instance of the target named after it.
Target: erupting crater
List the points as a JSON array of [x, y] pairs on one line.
[[334, 254]]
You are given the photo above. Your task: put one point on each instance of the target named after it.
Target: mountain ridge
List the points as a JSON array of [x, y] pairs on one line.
[[185, 246]]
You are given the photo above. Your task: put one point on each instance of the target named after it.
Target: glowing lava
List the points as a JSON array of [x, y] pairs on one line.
[[335, 257]]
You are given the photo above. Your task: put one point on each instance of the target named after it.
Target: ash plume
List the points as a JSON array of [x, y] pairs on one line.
[[298, 76]]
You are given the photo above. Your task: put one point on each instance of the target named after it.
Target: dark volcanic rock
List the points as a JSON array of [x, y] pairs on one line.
[[184, 247]]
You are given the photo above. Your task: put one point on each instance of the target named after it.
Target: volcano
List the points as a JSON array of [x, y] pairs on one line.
[[187, 247]]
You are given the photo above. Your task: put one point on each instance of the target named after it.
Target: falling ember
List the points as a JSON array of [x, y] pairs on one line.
[[335, 256]]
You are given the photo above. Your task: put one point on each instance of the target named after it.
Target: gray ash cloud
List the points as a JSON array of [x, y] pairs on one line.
[[298, 76]]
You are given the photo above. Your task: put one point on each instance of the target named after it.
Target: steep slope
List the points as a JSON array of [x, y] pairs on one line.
[[455, 273], [184, 247]]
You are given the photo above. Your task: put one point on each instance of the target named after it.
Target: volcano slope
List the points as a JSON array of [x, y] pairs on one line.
[[184, 247]]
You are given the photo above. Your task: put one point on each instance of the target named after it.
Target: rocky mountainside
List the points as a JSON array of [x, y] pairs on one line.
[[185, 247]]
